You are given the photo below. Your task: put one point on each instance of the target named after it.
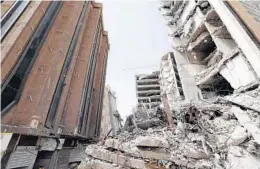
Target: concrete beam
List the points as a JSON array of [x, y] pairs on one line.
[[244, 120], [151, 97], [144, 87], [201, 42], [148, 91], [245, 100], [148, 80]]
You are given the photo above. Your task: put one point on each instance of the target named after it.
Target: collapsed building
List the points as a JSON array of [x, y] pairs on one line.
[[147, 113], [211, 82], [111, 121], [218, 133], [171, 84], [148, 90], [53, 66], [215, 48]]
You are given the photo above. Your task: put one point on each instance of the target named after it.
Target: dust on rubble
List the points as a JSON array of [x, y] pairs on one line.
[[217, 133]]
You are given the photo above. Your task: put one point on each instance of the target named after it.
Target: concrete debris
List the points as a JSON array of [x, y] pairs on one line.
[[238, 136], [238, 158], [96, 164], [245, 120], [206, 74], [98, 152], [213, 133], [154, 142], [145, 76], [249, 100], [145, 118]]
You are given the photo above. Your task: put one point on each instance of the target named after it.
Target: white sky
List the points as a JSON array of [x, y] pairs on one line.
[[137, 39]]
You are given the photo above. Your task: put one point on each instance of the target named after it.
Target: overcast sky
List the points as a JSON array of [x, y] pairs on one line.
[[138, 40]]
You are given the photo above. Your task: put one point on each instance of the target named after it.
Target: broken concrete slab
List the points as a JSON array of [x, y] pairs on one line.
[[202, 164], [98, 164], [130, 149], [127, 147], [114, 157], [153, 142], [205, 76], [245, 121], [201, 41], [195, 154], [245, 100], [154, 154], [238, 136], [238, 158], [148, 123], [180, 161]]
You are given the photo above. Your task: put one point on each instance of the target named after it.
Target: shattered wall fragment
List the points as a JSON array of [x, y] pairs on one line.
[[111, 119]]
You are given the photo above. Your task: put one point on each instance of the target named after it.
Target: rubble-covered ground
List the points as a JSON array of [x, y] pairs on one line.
[[219, 133]]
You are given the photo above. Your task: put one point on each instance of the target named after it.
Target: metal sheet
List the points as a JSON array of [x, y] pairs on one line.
[[63, 158], [22, 157]]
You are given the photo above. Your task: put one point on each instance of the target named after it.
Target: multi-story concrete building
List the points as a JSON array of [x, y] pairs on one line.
[[53, 66], [111, 122], [148, 90], [215, 47], [170, 79]]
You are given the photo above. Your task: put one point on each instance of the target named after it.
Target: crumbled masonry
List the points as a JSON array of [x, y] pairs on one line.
[[222, 132], [209, 86]]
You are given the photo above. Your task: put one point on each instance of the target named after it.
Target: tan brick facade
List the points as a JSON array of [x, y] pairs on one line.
[[33, 107]]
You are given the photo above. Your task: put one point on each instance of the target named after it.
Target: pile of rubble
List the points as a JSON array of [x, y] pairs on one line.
[[218, 133], [144, 118]]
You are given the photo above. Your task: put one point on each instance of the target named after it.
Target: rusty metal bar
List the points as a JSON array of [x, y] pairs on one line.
[[168, 111]]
